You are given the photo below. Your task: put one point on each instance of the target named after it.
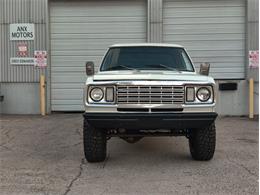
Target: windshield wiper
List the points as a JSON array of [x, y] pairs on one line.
[[123, 66], [169, 68], [166, 67]]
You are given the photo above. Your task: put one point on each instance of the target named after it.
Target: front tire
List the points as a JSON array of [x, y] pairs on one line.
[[95, 143], [202, 143]]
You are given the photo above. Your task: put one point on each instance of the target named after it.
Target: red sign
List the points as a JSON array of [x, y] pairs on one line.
[[254, 59], [22, 50], [40, 59]]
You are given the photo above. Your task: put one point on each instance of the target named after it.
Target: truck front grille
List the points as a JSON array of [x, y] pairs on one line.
[[150, 94]]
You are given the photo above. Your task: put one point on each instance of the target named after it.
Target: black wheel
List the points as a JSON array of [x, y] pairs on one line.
[[95, 143], [202, 143]]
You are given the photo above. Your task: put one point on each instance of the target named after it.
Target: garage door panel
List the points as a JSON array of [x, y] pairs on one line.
[[71, 102], [71, 59], [82, 31], [228, 75], [76, 67], [197, 31], [208, 45], [204, 37], [99, 35], [93, 12], [228, 59], [97, 61], [68, 78], [103, 8], [200, 20], [226, 70], [78, 44], [131, 27], [102, 12], [201, 3], [67, 107], [69, 94], [215, 53], [206, 12], [222, 67], [211, 31], [66, 85], [70, 64], [98, 20], [209, 28], [81, 53], [99, 3]]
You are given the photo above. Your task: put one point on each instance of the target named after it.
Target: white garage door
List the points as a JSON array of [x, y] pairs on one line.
[[81, 31], [212, 31]]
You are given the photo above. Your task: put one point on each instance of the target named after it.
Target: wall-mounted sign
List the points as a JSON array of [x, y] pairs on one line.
[[22, 61], [40, 59], [22, 49], [21, 31], [254, 59]]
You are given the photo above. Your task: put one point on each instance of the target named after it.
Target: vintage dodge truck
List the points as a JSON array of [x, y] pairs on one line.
[[148, 90]]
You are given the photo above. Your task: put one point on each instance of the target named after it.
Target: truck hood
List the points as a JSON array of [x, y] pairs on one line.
[[151, 75]]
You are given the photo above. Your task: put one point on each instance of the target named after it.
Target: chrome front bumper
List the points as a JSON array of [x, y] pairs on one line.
[[203, 108]]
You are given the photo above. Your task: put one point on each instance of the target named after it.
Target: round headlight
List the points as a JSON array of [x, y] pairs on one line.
[[96, 94], [203, 94]]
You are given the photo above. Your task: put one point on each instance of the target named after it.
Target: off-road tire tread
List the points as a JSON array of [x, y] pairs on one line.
[[94, 143], [202, 143]]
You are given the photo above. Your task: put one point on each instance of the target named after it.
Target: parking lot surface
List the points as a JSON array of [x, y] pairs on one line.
[[44, 155]]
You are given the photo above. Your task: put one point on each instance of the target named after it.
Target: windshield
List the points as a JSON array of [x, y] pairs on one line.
[[146, 58]]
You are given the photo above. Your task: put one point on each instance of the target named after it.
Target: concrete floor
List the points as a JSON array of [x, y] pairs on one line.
[[44, 155]]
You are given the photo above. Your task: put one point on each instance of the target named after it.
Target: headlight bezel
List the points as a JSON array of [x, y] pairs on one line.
[[210, 100], [90, 100]]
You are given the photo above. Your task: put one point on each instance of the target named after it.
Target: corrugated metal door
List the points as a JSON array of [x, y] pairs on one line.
[[81, 31], [212, 31]]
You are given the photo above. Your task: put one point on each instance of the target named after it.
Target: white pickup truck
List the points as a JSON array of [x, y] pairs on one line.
[[148, 90]]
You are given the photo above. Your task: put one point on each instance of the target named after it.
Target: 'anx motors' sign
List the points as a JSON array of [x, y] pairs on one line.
[[21, 31]]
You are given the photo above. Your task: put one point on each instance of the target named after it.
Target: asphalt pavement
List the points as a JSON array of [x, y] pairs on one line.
[[44, 155]]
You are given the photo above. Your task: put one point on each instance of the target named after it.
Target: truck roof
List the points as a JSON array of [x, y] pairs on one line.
[[146, 45]]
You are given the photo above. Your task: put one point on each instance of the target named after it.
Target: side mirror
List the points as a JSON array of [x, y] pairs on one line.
[[204, 69], [90, 68]]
